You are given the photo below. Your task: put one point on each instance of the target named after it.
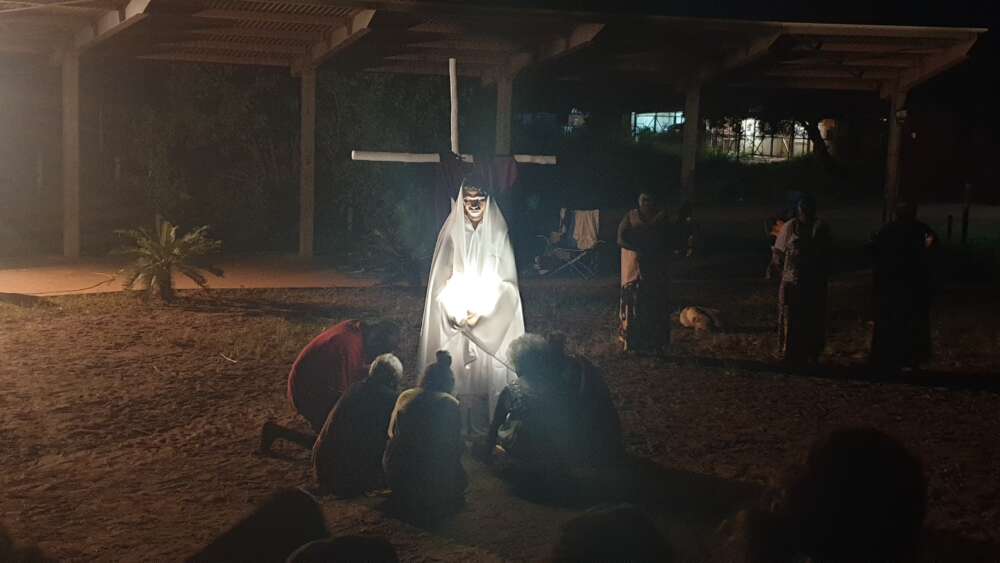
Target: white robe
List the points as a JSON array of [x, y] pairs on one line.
[[484, 258]]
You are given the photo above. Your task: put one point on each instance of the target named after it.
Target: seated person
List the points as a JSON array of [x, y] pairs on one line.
[[861, 496], [347, 456], [596, 426], [323, 371], [285, 521], [422, 460], [347, 549], [533, 420], [619, 533]]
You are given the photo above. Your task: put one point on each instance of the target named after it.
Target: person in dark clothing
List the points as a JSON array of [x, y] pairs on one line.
[[533, 420], [619, 533], [643, 236], [801, 255], [596, 427], [861, 496], [284, 522], [423, 459], [902, 288], [347, 456], [323, 371]]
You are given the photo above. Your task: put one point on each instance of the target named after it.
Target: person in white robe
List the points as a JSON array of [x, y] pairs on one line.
[[473, 306]]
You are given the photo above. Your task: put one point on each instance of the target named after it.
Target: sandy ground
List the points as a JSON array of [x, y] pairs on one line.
[[127, 429], [56, 276]]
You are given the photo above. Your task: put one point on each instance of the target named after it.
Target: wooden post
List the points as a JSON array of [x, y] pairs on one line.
[[307, 178], [453, 79], [71, 154], [505, 90], [897, 102], [689, 152]]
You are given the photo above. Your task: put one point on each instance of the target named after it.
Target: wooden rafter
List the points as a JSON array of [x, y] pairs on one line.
[[219, 59], [270, 17]]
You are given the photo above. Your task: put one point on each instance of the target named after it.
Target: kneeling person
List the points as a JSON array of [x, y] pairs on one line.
[[347, 456], [422, 460]]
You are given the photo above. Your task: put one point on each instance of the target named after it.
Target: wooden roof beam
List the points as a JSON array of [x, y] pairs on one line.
[[111, 23], [812, 84], [236, 46], [270, 17], [935, 65], [749, 53], [304, 36], [579, 37], [338, 39], [879, 31], [217, 59], [835, 73]]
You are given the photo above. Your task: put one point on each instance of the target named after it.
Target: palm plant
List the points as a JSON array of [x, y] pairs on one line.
[[158, 255]]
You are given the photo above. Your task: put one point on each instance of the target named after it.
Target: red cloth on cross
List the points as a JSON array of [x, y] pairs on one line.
[[325, 368]]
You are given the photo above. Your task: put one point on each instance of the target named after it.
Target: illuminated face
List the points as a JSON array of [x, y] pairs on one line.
[[474, 202]]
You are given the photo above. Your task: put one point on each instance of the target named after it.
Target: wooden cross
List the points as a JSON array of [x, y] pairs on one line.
[[375, 156]]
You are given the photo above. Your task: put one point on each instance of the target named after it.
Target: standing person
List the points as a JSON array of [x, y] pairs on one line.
[[347, 456], [902, 333], [473, 307], [642, 235], [423, 459], [801, 254], [325, 368]]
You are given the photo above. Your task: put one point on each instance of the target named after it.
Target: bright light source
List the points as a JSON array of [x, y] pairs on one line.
[[470, 293]]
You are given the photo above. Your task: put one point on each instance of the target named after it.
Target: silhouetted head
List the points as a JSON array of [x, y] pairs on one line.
[[806, 209], [534, 358], [861, 496], [474, 198], [648, 204], [286, 520], [346, 549], [905, 212], [381, 337], [622, 533], [386, 370], [438, 376]]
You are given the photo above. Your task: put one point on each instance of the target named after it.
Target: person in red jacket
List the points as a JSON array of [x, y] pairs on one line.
[[333, 361]]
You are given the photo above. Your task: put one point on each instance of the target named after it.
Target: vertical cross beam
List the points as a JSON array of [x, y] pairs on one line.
[[505, 90], [897, 101], [71, 154], [307, 174], [689, 151], [453, 80]]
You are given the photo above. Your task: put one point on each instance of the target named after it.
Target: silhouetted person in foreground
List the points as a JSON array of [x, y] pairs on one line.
[[533, 420], [283, 523], [346, 549], [901, 252], [554, 422], [861, 496], [422, 460], [10, 552], [347, 456], [324, 370], [801, 256], [622, 533]]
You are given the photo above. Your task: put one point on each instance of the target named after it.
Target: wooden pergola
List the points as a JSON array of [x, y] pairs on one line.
[[493, 45]]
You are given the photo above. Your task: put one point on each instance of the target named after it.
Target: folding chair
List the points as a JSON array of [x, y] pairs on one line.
[[573, 247]]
